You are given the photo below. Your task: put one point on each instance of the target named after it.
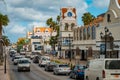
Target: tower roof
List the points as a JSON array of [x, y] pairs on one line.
[[119, 2]]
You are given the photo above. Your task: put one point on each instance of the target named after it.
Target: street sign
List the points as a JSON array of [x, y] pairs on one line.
[[102, 48]]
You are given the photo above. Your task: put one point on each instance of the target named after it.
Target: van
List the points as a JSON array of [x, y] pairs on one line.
[[103, 69], [44, 60]]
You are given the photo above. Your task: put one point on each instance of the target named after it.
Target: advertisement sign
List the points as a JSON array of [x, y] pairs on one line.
[[102, 48]]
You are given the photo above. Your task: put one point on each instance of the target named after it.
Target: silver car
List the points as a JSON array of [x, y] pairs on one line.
[[61, 69], [16, 58], [23, 64]]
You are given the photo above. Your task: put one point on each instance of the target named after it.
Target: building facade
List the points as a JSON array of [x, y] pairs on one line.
[[68, 22], [40, 39], [88, 41], [112, 22]]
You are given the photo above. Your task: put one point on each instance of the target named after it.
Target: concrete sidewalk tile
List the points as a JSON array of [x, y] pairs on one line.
[[4, 76]]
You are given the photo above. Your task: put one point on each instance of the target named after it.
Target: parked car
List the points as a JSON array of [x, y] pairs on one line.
[[22, 52], [103, 69], [27, 55], [16, 58], [23, 64], [12, 53], [61, 69], [44, 60], [32, 55], [77, 72], [36, 59], [50, 66]]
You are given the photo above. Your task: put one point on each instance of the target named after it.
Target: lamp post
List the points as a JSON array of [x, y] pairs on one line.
[[59, 47], [107, 33], [70, 54]]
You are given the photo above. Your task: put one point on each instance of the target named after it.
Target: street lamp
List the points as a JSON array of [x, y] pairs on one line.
[[59, 47], [70, 53], [107, 33]]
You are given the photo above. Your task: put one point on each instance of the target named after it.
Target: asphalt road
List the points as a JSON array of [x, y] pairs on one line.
[[36, 73]]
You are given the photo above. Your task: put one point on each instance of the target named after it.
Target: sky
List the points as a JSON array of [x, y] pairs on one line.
[[24, 14]]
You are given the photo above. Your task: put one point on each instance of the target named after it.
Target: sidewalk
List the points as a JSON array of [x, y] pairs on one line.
[[4, 76]]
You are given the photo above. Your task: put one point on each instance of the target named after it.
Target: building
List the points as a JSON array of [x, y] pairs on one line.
[[84, 39], [101, 37], [68, 21], [112, 22], [40, 39]]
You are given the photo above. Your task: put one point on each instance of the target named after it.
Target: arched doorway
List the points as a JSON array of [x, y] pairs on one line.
[[90, 52]]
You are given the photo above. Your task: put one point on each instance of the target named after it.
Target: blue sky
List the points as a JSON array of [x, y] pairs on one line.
[[24, 14]]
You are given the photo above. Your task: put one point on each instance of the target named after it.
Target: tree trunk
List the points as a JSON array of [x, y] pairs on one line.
[[1, 44]]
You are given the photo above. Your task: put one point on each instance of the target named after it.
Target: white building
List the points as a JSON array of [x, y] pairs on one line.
[[68, 19], [40, 39], [88, 41]]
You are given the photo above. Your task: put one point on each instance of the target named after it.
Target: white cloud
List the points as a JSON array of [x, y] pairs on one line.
[[101, 3], [18, 30], [24, 14]]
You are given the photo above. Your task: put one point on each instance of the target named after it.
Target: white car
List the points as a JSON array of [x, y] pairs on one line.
[[44, 60], [16, 58], [103, 69], [61, 69], [23, 64]]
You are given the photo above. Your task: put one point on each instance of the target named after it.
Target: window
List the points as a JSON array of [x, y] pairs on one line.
[[80, 34], [74, 35], [84, 33], [38, 30], [66, 26], [108, 18], [112, 64], [77, 34], [72, 25], [88, 33], [93, 32]]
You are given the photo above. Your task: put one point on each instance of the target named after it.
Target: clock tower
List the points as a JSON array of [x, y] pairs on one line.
[[68, 21]]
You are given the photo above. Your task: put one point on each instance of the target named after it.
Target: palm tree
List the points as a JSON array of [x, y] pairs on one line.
[[58, 19], [6, 40], [3, 22], [87, 18]]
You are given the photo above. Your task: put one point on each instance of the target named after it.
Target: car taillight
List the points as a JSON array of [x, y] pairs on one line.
[[103, 74]]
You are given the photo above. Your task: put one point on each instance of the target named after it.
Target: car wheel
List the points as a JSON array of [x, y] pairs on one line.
[[87, 78], [67, 74], [29, 70], [54, 73], [39, 65], [18, 70], [45, 69], [70, 76], [75, 77], [97, 78]]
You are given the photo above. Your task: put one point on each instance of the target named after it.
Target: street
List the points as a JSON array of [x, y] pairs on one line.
[[36, 73]]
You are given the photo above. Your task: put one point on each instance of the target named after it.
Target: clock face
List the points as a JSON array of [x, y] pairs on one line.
[[69, 14]]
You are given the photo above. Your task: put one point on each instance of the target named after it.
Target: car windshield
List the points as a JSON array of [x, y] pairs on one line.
[[63, 66], [112, 64], [18, 57], [79, 67], [23, 61]]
